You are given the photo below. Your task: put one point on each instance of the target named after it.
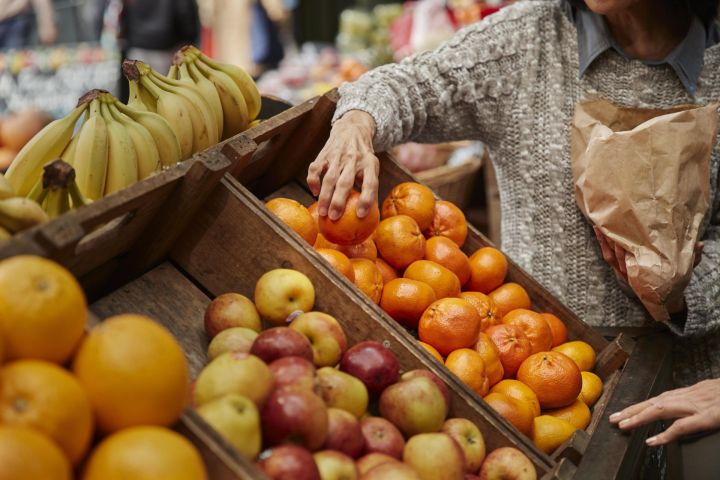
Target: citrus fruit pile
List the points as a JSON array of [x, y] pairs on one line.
[[406, 255], [61, 387]]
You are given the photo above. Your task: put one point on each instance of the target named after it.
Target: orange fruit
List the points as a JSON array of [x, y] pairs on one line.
[[488, 267], [44, 310], [294, 214], [145, 453], [349, 229], [365, 249], [491, 357], [368, 278], [533, 326], [28, 454], [433, 351], [577, 413], [388, 273], [554, 378], [558, 328], [513, 345], [518, 390], [517, 412], [580, 352], [444, 282], [509, 296], [134, 371], [41, 395], [550, 432], [339, 262], [470, 368], [445, 252], [449, 324], [405, 300], [313, 211], [485, 307], [592, 388], [400, 241], [448, 221], [412, 199]]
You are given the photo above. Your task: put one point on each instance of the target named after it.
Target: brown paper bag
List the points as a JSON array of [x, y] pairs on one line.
[[643, 177]]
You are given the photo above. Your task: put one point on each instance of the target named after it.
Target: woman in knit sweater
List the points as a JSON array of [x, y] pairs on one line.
[[513, 81]]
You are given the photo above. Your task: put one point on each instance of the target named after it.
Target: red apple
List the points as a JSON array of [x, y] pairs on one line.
[[294, 414], [470, 476], [280, 292], [233, 339], [239, 373], [279, 342], [414, 406], [471, 441], [325, 335], [335, 465], [297, 371], [435, 456], [507, 462], [381, 436], [340, 390], [344, 433], [391, 471], [231, 310], [371, 460], [289, 462], [420, 372], [373, 364]]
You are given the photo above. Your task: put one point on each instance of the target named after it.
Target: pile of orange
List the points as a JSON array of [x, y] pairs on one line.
[[61, 386], [407, 256]]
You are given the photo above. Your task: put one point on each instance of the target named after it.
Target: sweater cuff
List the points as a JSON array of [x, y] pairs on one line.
[[353, 97]]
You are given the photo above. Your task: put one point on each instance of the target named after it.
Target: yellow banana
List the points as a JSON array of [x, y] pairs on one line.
[[148, 158], [234, 106], [6, 190], [165, 139], [139, 98], [91, 154], [56, 202], [122, 170], [188, 72], [45, 146], [68, 155], [4, 234], [19, 213]]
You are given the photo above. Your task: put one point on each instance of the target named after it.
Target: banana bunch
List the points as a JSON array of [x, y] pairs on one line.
[[17, 213], [228, 89], [57, 190]]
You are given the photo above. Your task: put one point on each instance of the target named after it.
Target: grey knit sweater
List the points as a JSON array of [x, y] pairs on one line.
[[512, 82]]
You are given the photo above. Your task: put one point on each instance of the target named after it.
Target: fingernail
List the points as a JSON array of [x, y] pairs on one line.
[[334, 215], [624, 423], [652, 441], [361, 212], [322, 211], [615, 417]]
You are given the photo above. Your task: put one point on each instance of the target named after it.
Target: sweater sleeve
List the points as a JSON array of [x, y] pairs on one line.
[[461, 91]]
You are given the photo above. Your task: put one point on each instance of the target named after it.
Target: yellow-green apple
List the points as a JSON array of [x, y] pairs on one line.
[[372, 363], [341, 390], [335, 465], [237, 419], [381, 436], [414, 406], [293, 371], [279, 342], [371, 460], [234, 372], [470, 439], [233, 339], [344, 434], [294, 414], [325, 335], [435, 456], [289, 462], [231, 310], [391, 471], [507, 462], [421, 372], [282, 291]]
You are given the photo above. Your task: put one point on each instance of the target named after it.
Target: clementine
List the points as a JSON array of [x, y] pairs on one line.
[[28, 454], [365, 249], [577, 413], [518, 390], [592, 387], [580, 352], [433, 351], [533, 326], [388, 272], [294, 214], [488, 267], [313, 210], [518, 412], [412, 199], [350, 229], [400, 241], [405, 300], [491, 357], [558, 328], [554, 378], [445, 252], [485, 307], [470, 368], [513, 345], [339, 262], [368, 278], [550, 432], [444, 282], [509, 296], [449, 324], [448, 221]]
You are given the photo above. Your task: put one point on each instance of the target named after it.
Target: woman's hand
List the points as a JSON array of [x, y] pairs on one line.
[[347, 157], [696, 408]]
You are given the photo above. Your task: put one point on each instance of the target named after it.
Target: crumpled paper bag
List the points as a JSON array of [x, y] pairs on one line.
[[643, 177]]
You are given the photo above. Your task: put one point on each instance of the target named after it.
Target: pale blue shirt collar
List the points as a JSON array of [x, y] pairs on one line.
[[686, 59]]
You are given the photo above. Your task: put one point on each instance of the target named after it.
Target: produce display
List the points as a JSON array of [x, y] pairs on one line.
[[406, 256], [303, 402]]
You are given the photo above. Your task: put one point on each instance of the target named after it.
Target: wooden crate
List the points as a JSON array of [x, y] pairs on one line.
[[631, 371]]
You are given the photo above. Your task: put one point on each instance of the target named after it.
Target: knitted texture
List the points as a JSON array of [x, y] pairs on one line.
[[512, 82]]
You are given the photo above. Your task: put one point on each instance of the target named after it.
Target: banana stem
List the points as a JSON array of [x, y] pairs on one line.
[[38, 193]]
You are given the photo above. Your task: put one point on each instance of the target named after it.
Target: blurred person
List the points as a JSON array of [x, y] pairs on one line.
[[16, 19]]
